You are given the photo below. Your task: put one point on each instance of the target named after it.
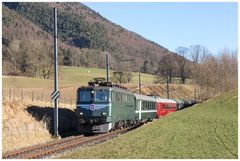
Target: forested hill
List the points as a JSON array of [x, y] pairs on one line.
[[84, 36]]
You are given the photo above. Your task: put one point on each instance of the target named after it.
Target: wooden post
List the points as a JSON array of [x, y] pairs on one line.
[[139, 83], [13, 94], [45, 126], [42, 96], [32, 96], [35, 131], [195, 91], [10, 94], [167, 87], [22, 95]]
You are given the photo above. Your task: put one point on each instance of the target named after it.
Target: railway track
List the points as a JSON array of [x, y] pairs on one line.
[[55, 147]]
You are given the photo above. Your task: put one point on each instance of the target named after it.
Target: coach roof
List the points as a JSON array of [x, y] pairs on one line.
[[146, 98]]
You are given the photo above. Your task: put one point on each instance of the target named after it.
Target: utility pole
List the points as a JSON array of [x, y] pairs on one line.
[[55, 94], [139, 83], [195, 93], [167, 87], [107, 66]]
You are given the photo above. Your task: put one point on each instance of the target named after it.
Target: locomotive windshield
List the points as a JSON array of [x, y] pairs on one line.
[[101, 95], [93, 95], [85, 96]]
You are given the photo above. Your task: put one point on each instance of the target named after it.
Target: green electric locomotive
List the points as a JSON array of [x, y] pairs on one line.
[[105, 107]]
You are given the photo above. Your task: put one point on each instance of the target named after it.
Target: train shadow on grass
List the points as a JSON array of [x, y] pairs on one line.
[[67, 119]]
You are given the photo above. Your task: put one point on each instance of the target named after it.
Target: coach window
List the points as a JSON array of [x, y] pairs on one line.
[[114, 97], [145, 105], [119, 97]]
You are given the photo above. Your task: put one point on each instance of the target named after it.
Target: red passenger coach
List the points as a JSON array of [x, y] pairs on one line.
[[165, 106]]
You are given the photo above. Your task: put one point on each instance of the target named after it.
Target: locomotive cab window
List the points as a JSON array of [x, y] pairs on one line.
[[101, 95], [93, 95], [85, 96]]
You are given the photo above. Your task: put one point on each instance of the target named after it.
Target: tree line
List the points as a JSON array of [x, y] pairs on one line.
[[211, 74], [35, 58]]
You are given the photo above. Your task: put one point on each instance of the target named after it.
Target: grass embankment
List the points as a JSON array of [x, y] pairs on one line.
[[207, 130]]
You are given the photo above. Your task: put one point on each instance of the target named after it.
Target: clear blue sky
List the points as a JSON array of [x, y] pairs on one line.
[[213, 25]]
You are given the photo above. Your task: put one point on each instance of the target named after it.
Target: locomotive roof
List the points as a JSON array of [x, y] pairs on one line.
[[105, 87], [143, 97]]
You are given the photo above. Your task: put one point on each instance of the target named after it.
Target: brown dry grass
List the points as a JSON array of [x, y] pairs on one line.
[[180, 91], [19, 128]]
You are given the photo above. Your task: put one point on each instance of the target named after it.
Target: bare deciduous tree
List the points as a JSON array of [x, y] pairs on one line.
[[121, 77], [183, 52], [215, 74], [166, 67]]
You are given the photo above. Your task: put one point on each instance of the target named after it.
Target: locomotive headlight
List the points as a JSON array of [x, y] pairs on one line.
[[81, 113], [104, 113]]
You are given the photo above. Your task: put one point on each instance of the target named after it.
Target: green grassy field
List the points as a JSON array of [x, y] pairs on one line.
[[207, 130], [70, 76]]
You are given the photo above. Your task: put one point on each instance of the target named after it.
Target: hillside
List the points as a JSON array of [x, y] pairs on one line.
[[204, 131], [25, 41], [91, 35]]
